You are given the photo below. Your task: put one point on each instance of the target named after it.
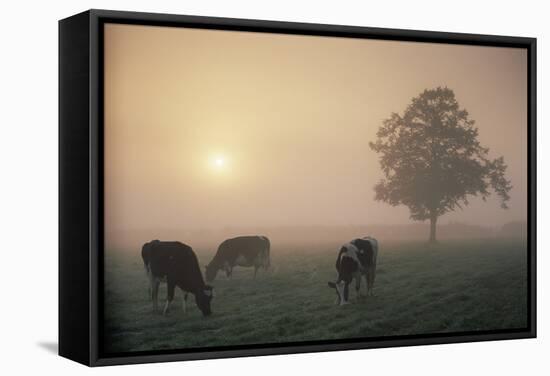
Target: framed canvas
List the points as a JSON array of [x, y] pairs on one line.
[[233, 187]]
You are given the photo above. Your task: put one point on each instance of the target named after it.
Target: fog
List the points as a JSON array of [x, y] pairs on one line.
[[210, 130]]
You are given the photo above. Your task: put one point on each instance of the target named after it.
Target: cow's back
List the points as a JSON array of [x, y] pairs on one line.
[[366, 252], [244, 246], [176, 261], [245, 242]]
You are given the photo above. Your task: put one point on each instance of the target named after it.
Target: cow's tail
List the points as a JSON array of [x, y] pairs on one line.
[[268, 251], [147, 267], [145, 256]]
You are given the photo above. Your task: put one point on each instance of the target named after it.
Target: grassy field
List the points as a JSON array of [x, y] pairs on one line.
[[450, 287]]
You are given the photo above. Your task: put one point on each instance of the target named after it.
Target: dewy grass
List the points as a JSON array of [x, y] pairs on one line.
[[451, 287]]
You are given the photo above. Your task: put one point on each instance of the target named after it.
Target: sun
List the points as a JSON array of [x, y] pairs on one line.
[[219, 163]]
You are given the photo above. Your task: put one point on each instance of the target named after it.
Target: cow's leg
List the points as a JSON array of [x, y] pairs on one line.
[[150, 287], [155, 293], [338, 286], [366, 290], [185, 303], [358, 285], [255, 270], [265, 261], [373, 277], [346, 294], [370, 281], [169, 296], [337, 300], [343, 291]]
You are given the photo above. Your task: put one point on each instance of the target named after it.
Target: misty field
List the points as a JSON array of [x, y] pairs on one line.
[[453, 286]]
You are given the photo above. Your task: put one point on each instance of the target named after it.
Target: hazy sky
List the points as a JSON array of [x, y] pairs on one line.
[[211, 128]]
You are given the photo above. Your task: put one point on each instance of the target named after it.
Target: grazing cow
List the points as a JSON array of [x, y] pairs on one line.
[[355, 260], [177, 264], [240, 251]]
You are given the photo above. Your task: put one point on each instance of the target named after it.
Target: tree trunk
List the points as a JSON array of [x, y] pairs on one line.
[[433, 223]]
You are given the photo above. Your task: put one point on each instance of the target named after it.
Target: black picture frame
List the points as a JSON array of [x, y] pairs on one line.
[[81, 182]]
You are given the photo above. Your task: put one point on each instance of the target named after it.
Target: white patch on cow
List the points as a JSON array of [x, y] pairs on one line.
[[351, 252], [340, 291], [227, 268], [166, 307], [241, 261]]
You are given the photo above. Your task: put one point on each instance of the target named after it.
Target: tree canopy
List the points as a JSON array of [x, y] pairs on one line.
[[433, 161]]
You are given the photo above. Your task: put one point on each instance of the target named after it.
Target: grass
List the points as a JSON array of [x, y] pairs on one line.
[[450, 287]]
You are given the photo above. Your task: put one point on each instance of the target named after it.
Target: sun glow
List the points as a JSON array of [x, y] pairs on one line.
[[218, 163]]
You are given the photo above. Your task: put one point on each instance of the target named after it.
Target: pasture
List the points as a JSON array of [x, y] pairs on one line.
[[452, 286]]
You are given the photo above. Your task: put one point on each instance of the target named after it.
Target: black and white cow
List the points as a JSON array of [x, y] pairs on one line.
[[177, 264], [240, 251], [355, 260]]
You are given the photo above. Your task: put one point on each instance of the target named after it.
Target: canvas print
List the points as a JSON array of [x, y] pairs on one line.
[[264, 188]]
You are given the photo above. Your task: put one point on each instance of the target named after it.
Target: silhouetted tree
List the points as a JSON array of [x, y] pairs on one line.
[[432, 160]]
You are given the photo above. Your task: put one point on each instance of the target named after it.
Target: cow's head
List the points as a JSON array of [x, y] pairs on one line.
[[210, 272], [203, 299], [147, 249]]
